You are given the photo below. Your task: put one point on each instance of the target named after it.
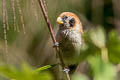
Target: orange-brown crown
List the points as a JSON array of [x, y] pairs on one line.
[[74, 16], [70, 14]]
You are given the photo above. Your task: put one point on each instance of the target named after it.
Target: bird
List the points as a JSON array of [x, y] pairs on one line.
[[69, 37]]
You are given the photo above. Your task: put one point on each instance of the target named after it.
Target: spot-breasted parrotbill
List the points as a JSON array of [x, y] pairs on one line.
[[69, 37]]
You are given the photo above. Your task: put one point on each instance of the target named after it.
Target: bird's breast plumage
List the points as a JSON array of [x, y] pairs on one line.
[[70, 43]]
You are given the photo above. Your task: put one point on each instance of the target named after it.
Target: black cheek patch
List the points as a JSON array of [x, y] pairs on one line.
[[72, 22]]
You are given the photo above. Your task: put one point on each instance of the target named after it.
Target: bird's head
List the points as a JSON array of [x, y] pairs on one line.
[[68, 20]]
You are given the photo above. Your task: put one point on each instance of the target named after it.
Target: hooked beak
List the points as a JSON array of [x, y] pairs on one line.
[[59, 20]]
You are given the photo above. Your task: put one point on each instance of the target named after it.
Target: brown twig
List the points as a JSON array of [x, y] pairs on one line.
[[53, 36]]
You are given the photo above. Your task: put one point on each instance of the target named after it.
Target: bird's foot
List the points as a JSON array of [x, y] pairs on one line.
[[56, 45], [66, 70]]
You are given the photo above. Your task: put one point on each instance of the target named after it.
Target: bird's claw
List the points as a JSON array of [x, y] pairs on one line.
[[66, 70], [56, 45]]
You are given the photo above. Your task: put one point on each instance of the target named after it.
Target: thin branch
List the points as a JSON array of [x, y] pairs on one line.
[[53, 36], [45, 5]]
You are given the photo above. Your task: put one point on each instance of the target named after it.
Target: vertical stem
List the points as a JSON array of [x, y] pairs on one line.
[[6, 18], [118, 67], [34, 10], [116, 9], [45, 5], [4, 25], [47, 21], [14, 14], [104, 54], [97, 11], [21, 16], [18, 30], [53, 36]]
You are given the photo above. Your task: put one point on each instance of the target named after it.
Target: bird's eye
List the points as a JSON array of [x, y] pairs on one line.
[[64, 19], [72, 22]]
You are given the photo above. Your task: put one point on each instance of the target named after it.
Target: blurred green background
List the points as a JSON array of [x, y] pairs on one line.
[[101, 24]]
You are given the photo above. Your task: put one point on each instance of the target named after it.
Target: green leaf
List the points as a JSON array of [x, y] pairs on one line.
[[102, 70], [98, 37], [25, 72], [79, 77], [8, 71], [114, 47], [43, 68]]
